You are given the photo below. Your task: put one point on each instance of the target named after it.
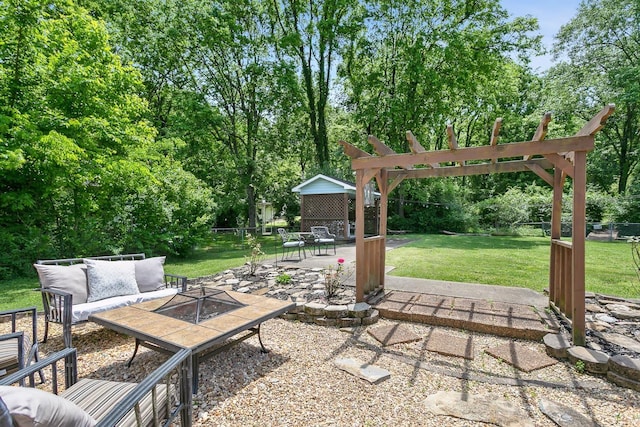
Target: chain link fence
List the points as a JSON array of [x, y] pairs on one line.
[[606, 232]]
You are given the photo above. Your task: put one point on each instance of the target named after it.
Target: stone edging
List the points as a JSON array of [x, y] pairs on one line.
[[620, 369], [343, 315]]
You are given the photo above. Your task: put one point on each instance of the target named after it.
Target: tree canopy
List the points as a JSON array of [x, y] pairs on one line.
[[137, 125], [601, 45], [82, 171]]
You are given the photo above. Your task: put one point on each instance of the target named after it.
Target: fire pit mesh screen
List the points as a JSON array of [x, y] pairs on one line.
[[198, 305]]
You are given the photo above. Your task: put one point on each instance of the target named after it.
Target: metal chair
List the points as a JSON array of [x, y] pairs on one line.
[[289, 243], [322, 237], [19, 349]]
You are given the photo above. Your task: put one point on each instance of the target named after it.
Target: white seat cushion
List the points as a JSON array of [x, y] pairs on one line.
[[81, 312], [325, 240], [293, 244]]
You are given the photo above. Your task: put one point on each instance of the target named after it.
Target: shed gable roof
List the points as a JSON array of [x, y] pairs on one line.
[[322, 184]]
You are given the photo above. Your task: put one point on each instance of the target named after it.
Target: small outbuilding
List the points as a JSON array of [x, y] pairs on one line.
[[330, 202]]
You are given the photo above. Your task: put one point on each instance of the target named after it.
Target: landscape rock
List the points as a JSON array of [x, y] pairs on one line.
[[486, 408], [367, 372], [603, 317], [594, 361], [621, 340], [626, 314], [625, 365], [556, 345], [563, 415], [594, 308]]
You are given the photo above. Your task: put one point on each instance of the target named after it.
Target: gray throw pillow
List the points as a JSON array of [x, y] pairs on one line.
[[110, 278], [150, 274], [30, 407], [67, 278]]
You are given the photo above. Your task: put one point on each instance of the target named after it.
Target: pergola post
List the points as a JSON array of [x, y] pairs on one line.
[[360, 255], [578, 233], [383, 187], [345, 216], [555, 293]]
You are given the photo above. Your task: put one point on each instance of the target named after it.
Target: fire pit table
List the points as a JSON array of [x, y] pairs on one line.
[[205, 320]]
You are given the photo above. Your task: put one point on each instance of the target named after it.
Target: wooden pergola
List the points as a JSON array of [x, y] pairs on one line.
[[552, 160]]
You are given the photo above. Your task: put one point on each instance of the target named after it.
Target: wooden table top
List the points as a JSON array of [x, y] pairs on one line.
[[139, 321]]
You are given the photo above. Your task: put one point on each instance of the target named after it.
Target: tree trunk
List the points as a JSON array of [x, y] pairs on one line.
[[251, 206]]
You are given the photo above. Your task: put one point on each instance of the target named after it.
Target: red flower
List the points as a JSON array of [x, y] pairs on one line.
[[340, 260]]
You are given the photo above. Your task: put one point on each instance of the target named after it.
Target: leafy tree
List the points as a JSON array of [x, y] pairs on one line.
[[422, 63], [84, 172], [313, 33], [601, 44], [214, 82]]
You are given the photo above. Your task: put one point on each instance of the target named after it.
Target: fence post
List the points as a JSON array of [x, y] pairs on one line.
[[611, 232]]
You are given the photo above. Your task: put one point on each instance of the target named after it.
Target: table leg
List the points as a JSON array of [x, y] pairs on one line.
[[135, 351], [264, 349], [195, 370]]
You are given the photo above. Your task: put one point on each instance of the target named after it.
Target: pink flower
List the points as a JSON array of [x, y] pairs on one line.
[[340, 260]]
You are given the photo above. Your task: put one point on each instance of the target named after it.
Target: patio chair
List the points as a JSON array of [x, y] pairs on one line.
[[19, 349], [322, 237], [161, 399], [290, 243]]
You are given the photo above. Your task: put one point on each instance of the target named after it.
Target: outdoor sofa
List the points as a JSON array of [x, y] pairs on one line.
[[75, 288], [160, 399]]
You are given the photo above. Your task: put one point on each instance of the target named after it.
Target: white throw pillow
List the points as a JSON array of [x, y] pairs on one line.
[[110, 278], [30, 407], [67, 278], [150, 274]]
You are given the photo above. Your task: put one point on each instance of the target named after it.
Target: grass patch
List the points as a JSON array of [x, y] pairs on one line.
[[494, 260], [512, 261], [18, 293]]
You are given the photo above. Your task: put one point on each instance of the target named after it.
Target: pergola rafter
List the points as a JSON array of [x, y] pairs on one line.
[[552, 160]]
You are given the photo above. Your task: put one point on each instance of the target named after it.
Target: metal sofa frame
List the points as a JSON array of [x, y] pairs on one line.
[[58, 304]]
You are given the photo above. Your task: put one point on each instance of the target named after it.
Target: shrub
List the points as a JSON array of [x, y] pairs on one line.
[[256, 255], [505, 210]]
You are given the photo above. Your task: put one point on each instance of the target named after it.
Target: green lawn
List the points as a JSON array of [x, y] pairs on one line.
[[511, 261], [506, 261]]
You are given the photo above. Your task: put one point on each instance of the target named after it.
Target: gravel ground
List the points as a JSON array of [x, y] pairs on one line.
[[297, 383]]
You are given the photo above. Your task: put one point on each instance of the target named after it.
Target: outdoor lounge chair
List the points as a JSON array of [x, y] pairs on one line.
[[19, 348], [290, 243], [322, 237], [158, 400]]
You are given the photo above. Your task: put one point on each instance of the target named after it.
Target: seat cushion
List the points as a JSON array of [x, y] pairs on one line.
[[107, 279], [325, 240], [98, 397], [9, 353], [31, 407], [150, 274], [81, 312], [293, 244], [67, 278]]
